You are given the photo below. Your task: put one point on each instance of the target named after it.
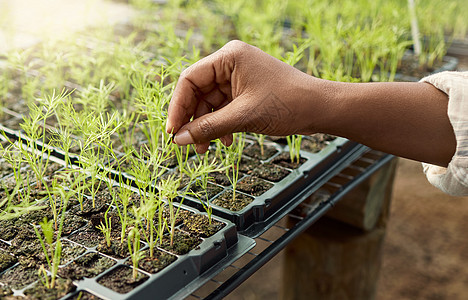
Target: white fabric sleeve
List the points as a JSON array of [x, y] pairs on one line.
[[453, 180]]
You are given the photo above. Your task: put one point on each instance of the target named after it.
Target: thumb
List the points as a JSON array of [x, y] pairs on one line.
[[208, 127]]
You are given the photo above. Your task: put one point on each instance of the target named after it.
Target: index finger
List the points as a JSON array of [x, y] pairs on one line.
[[197, 80]]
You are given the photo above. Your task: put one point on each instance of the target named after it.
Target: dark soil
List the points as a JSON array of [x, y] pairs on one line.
[[121, 280], [410, 66], [89, 265], [220, 178], [88, 237], [8, 229], [82, 295], [39, 291], [182, 243], [316, 142], [225, 200], [270, 172], [116, 248], [72, 223], [19, 276], [253, 186], [154, 264], [6, 260], [254, 151], [211, 190], [26, 243], [70, 251], [284, 160], [248, 164], [200, 226], [89, 208]]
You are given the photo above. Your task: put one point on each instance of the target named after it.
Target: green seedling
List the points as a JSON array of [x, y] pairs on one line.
[[106, 228], [261, 141], [167, 190], [133, 241], [294, 145], [47, 243], [202, 171], [232, 158]]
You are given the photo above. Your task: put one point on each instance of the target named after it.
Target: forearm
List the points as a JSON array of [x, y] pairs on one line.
[[405, 119]]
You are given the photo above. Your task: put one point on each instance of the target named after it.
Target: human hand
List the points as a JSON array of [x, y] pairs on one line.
[[239, 88]]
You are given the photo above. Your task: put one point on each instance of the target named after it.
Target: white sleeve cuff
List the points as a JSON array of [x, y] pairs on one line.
[[453, 180]]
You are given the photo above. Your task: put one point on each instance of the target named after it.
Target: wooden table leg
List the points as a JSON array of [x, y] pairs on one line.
[[340, 257]]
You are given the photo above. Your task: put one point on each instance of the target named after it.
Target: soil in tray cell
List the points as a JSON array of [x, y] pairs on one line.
[[121, 280], [5, 291], [88, 237], [116, 249], [220, 178], [89, 265], [6, 260], [72, 223], [154, 264], [5, 169], [284, 160], [39, 291], [253, 186], [82, 295], [70, 251], [8, 229], [255, 151], [200, 225], [26, 244], [19, 276], [211, 191], [269, 172], [182, 243], [316, 142], [90, 207], [227, 201], [35, 216]]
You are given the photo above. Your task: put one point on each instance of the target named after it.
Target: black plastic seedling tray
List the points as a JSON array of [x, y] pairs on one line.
[[260, 214], [188, 273], [175, 277], [181, 277], [449, 64]]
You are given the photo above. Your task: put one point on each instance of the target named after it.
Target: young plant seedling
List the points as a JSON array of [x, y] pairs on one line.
[[106, 228], [48, 243], [232, 158], [294, 145], [133, 241], [261, 141]]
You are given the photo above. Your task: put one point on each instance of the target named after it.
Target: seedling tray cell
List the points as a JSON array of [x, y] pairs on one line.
[[257, 216], [181, 276]]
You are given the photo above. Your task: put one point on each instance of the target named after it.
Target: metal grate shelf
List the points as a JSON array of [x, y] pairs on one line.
[[276, 238]]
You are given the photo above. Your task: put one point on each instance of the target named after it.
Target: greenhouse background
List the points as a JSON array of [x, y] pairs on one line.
[[107, 58]]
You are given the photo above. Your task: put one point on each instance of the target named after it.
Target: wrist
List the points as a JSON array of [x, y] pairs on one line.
[[319, 105]]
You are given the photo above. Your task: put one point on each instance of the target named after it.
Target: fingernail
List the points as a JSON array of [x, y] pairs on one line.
[[169, 127], [183, 138]]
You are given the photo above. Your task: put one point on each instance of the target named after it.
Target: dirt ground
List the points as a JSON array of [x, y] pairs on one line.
[[425, 253]]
